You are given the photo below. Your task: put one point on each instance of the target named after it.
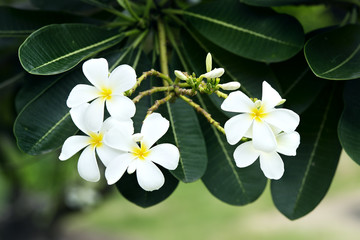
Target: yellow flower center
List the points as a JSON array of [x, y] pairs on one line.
[[96, 139], [106, 93], [258, 113], [141, 153]]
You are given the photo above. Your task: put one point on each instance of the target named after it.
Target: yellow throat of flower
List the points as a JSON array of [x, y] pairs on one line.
[[258, 113], [106, 93], [96, 140], [141, 152]]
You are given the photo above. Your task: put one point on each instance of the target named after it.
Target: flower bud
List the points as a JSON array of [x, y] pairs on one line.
[[208, 62], [137, 137], [215, 73], [281, 102], [180, 75], [230, 86]]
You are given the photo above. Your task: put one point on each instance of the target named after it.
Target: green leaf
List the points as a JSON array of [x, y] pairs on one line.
[[308, 175], [227, 182], [190, 141], [335, 55], [300, 86], [255, 33], [44, 123], [130, 189], [20, 23], [57, 48], [272, 3], [349, 128]]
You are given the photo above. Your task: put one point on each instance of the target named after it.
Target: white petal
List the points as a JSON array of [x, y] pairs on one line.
[[153, 128], [87, 165], [288, 143], [238, 102], [245, 154], [72, 145], [78, 116], [270, 97], [120, 140], [208, 62], [166, 154], [283, 119], [96, 71], [106, 153], [80, 94], [117, 167], [133, 165], [120, 107], [236, 127], [149, 176], [122, 78], [263, 137], [215, 73], [272, 165], [94, 115], [126, 126]]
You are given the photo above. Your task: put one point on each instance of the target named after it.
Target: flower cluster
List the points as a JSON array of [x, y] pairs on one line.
[[272, 130], [113, 140]]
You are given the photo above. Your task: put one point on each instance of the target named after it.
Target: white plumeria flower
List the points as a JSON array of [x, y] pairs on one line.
[[141, 157], [270, 162], [258, 119], [107, 88], [87, 164]]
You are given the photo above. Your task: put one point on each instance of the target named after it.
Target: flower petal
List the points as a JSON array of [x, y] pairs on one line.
[[238, 102], [236, 127], [96, 71], [288, 143], [149, 176], [106, 153], [122, 78], [165, 154], [120, 140], [80, 94], [78, 117], [120, 107], [272, 165], [126, 126], [270, 97], [87, 165], [117, 167], [215, 73], [153, 128], [245, 154], [283, 119], [263, 137], [94, 115], [72, 145], [133, 165]]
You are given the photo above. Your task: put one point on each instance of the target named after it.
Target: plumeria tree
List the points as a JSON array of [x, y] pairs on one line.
[[235, 93]]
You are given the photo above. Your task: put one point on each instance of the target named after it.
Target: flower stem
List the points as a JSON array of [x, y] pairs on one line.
[[207, 115], [162, 47], [152, 72], [221, 94], [158, 103], [151, 91]]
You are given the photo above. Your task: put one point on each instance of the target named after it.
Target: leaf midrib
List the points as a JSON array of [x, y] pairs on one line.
[[75, 52], [343, 62], [312, 155], [223, 148], [244, 30]]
